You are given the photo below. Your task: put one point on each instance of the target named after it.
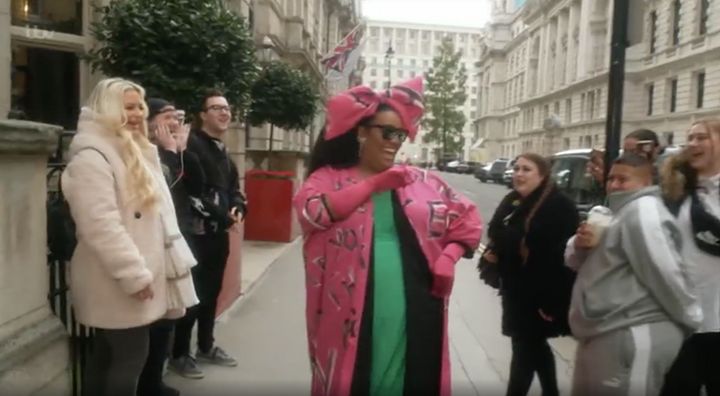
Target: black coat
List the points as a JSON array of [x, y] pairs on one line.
[[542, 282], [220, 189], [185, 177]]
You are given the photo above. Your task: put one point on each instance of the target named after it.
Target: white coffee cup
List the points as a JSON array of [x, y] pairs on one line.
[[599, 218]]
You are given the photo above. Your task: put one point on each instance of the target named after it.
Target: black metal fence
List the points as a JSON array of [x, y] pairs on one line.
[[58, 294]]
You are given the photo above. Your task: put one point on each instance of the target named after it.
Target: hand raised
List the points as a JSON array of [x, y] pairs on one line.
[[165, 138], [181, 137], [393, 178]]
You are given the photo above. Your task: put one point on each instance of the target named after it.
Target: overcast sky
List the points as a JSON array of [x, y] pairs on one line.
[[470, 13]]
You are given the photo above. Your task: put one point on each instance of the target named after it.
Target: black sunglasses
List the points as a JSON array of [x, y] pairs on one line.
[[389, 132]]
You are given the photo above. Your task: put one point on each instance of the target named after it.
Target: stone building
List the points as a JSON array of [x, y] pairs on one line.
[[413, 47], [544, 73]]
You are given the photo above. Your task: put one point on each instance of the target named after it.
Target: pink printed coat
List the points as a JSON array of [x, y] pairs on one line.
[[337, 256]]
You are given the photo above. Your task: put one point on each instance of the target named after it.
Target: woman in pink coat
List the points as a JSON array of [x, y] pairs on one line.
[[381, 243]]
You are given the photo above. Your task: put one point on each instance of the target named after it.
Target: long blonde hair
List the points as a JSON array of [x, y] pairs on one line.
[[106, 101], [678, 178]]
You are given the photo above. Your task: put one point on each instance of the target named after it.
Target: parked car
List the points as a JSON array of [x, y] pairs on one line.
[[472, 166], [507, 176], [452, 166], [494, 171], [569, 168]]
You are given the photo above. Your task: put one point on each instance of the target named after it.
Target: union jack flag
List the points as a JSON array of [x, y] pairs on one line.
[[337, 60]]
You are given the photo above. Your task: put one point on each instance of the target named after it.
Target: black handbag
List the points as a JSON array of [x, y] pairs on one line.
[[489, 272]]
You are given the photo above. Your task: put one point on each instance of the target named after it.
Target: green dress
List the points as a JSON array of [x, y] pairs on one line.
[[389, 336]]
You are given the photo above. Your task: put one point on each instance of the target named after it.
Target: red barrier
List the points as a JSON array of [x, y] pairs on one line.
[[269, 196]]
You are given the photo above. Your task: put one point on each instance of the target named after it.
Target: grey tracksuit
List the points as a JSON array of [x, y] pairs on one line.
[[632, 302]]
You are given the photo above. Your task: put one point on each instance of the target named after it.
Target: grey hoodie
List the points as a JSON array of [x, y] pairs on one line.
[[635, 275]]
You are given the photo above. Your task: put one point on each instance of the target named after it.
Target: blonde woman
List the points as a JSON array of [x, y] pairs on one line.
[[691, 184], [131, 266]]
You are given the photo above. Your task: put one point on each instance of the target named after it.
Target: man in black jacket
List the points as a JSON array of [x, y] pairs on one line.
[[218, 207], [183, 173]]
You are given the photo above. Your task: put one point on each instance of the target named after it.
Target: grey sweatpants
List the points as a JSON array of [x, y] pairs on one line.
[[627, 362]]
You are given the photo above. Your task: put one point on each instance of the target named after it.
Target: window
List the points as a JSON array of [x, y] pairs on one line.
[[413, 74], [401, 73], [413, 62], [33, 71], [473, 102], [703, 20], [400, 62], [373, 72], [566, 143], [653, 31], [426, 35], [373, 84], [591, 104], [473, 115], [676, 22], [413, 34], [673, 94], [426, 64], [474, 90], [556, 108], [700, 89], [374, 32], [650, 98], [568, 111], [62, 16], [386, 73]]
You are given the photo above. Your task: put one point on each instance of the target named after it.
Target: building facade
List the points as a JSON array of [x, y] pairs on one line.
[[544, 73], [413, 47], [302, 32], [43, 79]]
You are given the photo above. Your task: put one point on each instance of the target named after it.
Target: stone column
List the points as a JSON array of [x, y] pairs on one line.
[[571, 67], [584, 55], [34, 353], [543, 57], [5, 59]]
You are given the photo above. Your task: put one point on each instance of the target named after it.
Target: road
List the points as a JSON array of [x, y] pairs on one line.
[[267, 333]]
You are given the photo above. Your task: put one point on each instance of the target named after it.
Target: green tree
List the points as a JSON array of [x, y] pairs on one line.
[[176, 49], [283, 97], [444, 98]]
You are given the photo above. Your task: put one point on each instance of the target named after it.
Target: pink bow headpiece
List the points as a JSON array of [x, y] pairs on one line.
[[346, 109]]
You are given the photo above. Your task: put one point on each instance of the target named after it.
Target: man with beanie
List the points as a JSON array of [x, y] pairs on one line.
[[219, 207], [170, 136]]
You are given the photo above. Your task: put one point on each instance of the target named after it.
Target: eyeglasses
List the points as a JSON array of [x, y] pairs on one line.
[[219, 108], [389, 132]]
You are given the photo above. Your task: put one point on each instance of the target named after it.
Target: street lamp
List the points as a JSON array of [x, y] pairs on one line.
[[388, 62], [267, 46]]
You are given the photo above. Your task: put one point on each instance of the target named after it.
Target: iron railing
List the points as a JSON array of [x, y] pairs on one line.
[[58, 292]]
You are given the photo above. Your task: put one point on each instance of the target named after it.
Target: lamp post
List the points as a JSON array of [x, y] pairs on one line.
[[388, 62], [267, 46]]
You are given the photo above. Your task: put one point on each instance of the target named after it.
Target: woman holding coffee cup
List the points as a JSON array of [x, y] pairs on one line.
[[528, 234]]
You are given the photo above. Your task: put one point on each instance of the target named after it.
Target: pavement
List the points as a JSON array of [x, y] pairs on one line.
[[265, 329]]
